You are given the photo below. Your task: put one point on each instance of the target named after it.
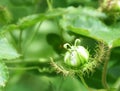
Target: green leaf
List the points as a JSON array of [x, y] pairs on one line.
[[117, 84], [115, 31], [81, 21], [35, 18], [30, 20], [6, 50], [79, 30], [116, 43], [7, 28], [3, 74], [55, 12]]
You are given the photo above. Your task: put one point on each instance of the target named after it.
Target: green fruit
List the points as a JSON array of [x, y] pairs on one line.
[[76, 56]]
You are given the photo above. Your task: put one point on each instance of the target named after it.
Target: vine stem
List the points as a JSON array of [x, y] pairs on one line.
[[13, 39], [23, 68], [20, 42], [84, 83], [31, 37], [49, 3], [104, 73]]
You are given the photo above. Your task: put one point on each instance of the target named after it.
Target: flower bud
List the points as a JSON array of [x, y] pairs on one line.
[[76, 56]]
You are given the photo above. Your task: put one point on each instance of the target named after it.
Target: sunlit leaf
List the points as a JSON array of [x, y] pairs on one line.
[[7, 28], [55, 12], [6, 50], [30, 20], [116, 43], [3, 74], [84, 23]]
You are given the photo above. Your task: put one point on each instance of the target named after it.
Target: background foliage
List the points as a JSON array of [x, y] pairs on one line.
[[32, 31]]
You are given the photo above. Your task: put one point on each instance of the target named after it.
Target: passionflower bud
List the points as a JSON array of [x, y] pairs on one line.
[[76, 55]]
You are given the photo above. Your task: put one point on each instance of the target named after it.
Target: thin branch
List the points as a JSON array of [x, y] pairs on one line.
[[84, 83], [14, 40], [104, 73], [49, 3], [20, 42], [23, 68], [31, 37]]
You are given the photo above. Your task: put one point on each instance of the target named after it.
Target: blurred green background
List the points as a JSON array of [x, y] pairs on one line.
[[41, 47]]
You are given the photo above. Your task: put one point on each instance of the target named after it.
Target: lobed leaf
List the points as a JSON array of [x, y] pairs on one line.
[[85, 23]]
